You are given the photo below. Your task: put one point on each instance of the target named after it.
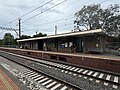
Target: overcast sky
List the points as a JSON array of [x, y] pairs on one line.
[[45, 22]]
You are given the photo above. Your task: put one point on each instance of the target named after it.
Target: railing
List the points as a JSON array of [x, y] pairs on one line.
[[10, 46]]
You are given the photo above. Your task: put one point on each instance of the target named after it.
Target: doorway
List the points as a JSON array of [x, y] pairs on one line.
[[78, 41], [40, 44]]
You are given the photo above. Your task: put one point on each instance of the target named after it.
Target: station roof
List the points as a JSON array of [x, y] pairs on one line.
[[78, 33]]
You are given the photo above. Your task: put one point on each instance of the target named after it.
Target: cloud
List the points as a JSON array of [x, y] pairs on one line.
[[21, 7], [12, 9], [56, 11]]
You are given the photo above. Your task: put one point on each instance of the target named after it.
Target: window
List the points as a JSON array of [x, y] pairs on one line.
[[62, 45], [66, 44], [97, 45], [44, 44], [53, 45], [70, 44]]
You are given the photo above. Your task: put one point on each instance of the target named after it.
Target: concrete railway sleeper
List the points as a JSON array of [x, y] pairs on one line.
[[30, 77], [35, 80], [98, 76]]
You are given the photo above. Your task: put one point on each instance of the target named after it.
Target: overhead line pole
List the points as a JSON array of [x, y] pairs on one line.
[[19, 28]]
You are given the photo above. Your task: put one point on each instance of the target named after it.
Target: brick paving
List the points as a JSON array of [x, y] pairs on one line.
[[6, 83]]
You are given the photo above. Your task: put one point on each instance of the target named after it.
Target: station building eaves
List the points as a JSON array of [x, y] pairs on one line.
[[78, 33]]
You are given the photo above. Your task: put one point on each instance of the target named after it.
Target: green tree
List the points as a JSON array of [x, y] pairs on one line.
[[88, 17], [111, 26], [25, 37], [8, 39], [94, 17], [115, 39], [111, 20], [37, 35], [1, 42], [40, 35]]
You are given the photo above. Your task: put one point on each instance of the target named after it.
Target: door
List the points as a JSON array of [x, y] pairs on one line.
[[79, 44], [40, 44]]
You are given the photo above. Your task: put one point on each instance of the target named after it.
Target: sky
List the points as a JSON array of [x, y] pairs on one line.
[[61, 15]]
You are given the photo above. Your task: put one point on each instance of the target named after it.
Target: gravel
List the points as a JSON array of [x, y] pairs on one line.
[[81, 82]]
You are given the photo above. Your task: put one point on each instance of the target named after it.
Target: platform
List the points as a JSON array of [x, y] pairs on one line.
[[105, 62], [6, 83]]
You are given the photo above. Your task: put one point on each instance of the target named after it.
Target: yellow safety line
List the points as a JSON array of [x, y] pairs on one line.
[[2, 87], [6, 83]]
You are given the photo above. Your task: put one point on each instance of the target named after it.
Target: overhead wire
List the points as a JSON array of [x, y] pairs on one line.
[[62, 19], [63, 25], [48, 22], [28, 12], [36, 9], [69, 17], [69, 6], [103, 1], [55, 21], [44, 11]]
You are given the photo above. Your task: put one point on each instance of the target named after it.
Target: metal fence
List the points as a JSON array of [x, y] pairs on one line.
[[113, 45], [10, 46]]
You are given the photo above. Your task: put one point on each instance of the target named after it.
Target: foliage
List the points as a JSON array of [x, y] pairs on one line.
[[37, 35], [1, 42], [88, 16], [94, 17], [114, 39], [111, 18], [40, 35], [25, 37], [8, 39], [111, 26]]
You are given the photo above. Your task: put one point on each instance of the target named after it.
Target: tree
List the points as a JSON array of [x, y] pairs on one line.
[[37, 35], [111, 20], [1, 42], [25, 37], [40, 35], [94, 17], [88, 17], [114, 39], [111, 26], [8, 39]]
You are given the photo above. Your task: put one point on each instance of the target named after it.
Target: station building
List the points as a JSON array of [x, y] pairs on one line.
[[74, 42]]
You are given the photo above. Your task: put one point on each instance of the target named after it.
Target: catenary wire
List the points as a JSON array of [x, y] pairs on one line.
[[44, 11], [62, 19], [28, 13]]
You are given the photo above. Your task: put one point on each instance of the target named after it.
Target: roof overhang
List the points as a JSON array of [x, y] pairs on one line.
[[87, 32]]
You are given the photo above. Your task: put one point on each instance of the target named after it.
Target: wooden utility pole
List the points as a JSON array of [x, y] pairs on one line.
[[19, 28]]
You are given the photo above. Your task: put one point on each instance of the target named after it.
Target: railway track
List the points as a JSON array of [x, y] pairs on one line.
[[105, 79], [36, 80]]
